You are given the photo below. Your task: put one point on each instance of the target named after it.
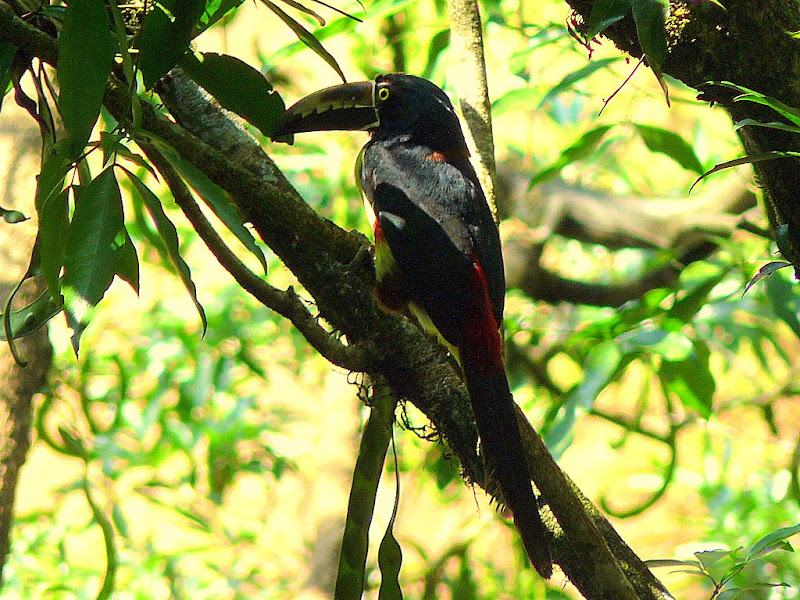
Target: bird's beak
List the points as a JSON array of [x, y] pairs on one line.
[[345, 107]]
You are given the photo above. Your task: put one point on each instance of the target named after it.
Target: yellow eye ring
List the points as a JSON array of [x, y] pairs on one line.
[[383, 94]]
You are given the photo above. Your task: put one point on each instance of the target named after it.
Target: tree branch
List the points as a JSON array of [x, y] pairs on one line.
[[35, 41], [689, 228]]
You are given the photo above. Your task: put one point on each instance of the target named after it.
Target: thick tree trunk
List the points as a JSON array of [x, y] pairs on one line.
[[18, 384]]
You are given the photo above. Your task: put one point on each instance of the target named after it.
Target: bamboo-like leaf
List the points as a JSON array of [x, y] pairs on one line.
[[306, 37], [744, 160], [766, 124], [304, 9], [51, 240], [377, 11], [169, 238], [747, 95], [217, 199], [86, 50]]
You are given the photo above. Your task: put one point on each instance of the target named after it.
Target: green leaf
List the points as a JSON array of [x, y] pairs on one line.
[[572, 78], [128, 262], [306, 10], [651, 17], [517, 99], [747, 95], [579, 149], [238, 87], [93, 239], [51, 240], [169, 238], [32, 317], [112, 146], [690, 380], [686, 307], [166, 34], [216, 10], [670, 345], [747, 592], [765, 271], [601, 364], [781, 294], [670, 144], [217, 199], [50, 180], [754, 158], [306, 37], [605, 13], [7, 53], [86, 50], [12, 216], [767, 125], [378, 11], [669, 562], [438, 44], [773, 541], [709, 558]]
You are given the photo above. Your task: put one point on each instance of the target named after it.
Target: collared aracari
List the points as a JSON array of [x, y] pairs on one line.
[[437, 252]]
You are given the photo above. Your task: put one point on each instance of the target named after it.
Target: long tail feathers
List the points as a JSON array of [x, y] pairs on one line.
[[501, 444]]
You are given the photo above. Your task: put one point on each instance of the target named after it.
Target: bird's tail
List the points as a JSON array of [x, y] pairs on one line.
[[501, 445]]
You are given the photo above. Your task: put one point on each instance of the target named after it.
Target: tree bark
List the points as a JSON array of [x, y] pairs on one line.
[[18, 384]]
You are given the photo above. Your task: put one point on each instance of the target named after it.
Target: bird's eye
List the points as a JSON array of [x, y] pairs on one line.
[[383, 94]]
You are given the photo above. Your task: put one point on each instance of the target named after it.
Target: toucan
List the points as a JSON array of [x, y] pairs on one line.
[[437, 252]]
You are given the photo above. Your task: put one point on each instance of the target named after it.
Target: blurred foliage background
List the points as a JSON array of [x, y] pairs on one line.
[[219, 466]]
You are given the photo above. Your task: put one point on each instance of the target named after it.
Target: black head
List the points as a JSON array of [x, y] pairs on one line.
[[395, 105]]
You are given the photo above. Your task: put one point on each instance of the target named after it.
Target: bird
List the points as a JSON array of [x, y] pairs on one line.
[[437, 252]]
